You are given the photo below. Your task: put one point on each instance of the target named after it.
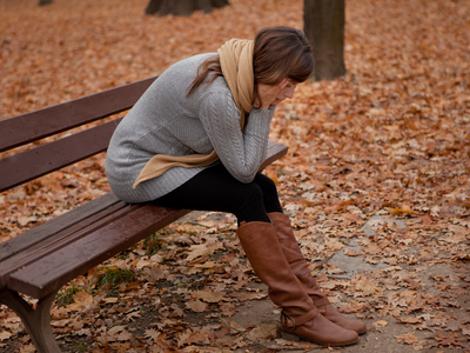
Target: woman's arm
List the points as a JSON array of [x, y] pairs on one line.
[[240, 152]]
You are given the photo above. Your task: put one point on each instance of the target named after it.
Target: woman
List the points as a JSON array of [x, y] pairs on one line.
[[196, 139]]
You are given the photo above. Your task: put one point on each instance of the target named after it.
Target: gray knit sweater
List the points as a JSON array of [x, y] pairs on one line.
[[166, 121]]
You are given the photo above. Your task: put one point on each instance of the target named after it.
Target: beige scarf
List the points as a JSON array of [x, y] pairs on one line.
[[236, 61]]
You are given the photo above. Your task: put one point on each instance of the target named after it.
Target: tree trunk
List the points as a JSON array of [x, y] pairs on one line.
[[182, 7], [324, 27], [44, 2]]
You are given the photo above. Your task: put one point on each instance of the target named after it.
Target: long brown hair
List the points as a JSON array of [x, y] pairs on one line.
[[279, 52]]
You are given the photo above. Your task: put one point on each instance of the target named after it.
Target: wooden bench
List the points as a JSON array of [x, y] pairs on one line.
[[41, 260]]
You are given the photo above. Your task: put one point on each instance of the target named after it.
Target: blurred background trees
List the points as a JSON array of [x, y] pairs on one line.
[[182, 7], [324, 27]]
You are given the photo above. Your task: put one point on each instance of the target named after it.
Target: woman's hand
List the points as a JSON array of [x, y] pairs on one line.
[[270, 95]]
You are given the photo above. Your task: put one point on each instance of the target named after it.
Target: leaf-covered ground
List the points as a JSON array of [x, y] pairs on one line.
[[376, 179]]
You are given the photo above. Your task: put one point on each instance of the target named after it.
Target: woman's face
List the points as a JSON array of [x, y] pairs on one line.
[[270, 95]]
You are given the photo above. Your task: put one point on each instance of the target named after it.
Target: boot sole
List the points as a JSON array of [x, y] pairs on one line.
[[293, 337]]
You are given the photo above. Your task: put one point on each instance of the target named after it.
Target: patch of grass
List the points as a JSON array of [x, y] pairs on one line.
[[80, 346], [153, 244], [113, 277], [123, 255], [65, 296]]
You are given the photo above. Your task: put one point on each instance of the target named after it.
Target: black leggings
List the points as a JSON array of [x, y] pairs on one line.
[[215, 189]]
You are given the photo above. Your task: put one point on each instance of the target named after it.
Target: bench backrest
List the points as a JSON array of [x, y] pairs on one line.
[[18, 168]]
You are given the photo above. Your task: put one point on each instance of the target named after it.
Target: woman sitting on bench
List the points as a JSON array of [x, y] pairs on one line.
[[196, 140]]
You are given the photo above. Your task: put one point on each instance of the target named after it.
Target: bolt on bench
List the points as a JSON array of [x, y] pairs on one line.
[[41, 260]]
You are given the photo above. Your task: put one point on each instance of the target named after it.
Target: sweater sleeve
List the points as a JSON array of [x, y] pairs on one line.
[[241, 153]]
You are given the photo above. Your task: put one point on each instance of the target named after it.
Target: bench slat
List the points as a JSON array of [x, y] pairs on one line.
[[37, 234], [50, 273], [61, 239], [29, 127], [26, 166]]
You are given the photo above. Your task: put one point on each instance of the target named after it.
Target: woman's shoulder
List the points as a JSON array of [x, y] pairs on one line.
[[191, 62], [217, 88], [217, 98], [181, 73]]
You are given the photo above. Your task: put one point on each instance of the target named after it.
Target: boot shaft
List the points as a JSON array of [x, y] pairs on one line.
[[263, 250]]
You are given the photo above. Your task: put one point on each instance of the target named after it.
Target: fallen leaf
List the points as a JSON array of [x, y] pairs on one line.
[[119, 334], [407, 338], [208, 296], [263, 332], [410, 319], [82, 301], [28, 348], [202, 250], [402, 211], [4, 335], [197, 306], [380, 323], [152, 334], [449, 339]]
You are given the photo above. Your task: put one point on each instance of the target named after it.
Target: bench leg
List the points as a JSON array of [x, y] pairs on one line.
[[36, 320]]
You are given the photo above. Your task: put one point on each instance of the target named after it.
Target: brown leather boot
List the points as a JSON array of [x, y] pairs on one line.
[[299, 266], [299, 314]]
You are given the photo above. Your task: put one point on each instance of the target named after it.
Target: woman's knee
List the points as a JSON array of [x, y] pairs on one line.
[[250, 194], [269, 189], [267, 185]]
